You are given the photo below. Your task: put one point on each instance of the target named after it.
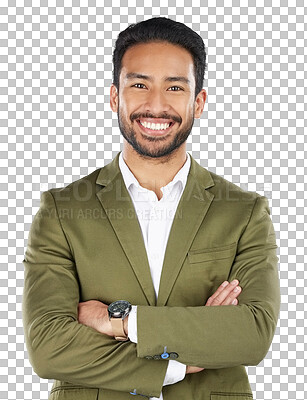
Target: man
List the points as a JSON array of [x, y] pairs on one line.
[[124, 266]]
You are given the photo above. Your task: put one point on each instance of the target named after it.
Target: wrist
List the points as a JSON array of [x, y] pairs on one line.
[[118, 313], [126, 325]]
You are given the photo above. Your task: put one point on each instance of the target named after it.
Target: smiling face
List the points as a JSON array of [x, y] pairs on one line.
[[156, 102]]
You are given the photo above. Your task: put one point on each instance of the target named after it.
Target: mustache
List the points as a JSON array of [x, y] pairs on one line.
[[149, 115]]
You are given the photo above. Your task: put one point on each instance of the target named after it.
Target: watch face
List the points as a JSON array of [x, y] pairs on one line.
[[119, 308]]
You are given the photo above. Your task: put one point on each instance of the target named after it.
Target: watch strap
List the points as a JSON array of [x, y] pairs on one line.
[[118, 329]]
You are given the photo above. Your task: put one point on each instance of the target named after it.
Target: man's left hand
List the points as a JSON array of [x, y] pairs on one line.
[[94, 314]]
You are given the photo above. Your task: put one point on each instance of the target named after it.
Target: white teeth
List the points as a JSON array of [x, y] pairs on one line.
[[155, 127]]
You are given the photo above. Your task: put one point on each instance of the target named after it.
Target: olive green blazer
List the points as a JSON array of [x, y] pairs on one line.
[[85, 243]]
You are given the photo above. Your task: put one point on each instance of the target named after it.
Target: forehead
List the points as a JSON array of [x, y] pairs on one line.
[[158, 59]]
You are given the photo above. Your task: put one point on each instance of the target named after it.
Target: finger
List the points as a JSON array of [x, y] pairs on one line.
[[221, 297], [235, 302], [218, 291], [225, 288], [232, 296]]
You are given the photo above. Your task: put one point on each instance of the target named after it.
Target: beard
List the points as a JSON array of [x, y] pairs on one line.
[[154, 146]]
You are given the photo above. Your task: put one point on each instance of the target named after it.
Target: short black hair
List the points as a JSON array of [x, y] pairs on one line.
[[166, 30]]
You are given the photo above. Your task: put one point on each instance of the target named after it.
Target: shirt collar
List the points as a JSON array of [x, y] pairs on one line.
[[130, 179]]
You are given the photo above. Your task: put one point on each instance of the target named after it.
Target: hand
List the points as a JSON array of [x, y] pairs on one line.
[[225, 295], [193, 370], [94, 314]]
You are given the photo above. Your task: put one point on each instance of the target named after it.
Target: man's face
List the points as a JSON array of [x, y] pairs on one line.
[[156, 102]]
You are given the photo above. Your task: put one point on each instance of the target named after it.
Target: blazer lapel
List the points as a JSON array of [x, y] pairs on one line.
[[120, 211], [192, 208]]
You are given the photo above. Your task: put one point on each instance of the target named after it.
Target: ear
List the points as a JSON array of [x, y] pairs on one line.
[[113, 98], [200, 103]]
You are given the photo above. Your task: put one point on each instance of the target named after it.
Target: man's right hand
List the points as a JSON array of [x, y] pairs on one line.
[[193, 370], [225, 295]]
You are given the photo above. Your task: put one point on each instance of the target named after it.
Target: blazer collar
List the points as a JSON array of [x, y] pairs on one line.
[[193, 206], [108, 172], [111, 170]]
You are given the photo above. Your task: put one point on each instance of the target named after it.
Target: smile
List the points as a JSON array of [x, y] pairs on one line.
[[155, 129]]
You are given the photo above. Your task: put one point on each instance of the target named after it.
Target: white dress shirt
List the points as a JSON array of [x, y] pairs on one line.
[[155, 218]]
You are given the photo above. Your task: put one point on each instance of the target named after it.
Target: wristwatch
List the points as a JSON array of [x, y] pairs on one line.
[[118, 311]]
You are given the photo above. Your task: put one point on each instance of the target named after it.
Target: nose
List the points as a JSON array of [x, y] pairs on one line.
[[156, 102]]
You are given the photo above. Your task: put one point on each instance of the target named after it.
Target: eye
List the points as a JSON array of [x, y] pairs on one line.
[[139, 85], [175, 88]]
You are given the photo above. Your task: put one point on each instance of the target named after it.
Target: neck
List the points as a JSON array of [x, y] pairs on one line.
[[154, 173]]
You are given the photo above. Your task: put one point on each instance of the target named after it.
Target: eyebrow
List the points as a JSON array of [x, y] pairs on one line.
[[134, 75]]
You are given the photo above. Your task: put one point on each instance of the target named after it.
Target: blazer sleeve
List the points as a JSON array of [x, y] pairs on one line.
[[224, 336], [58, 346]]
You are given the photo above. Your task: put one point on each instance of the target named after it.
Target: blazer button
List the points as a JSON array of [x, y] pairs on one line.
[[173, 356], [148, 357], [157, 357]]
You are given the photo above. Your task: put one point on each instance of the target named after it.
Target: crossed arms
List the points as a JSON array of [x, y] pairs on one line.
[[61, 348], [94, 313]]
